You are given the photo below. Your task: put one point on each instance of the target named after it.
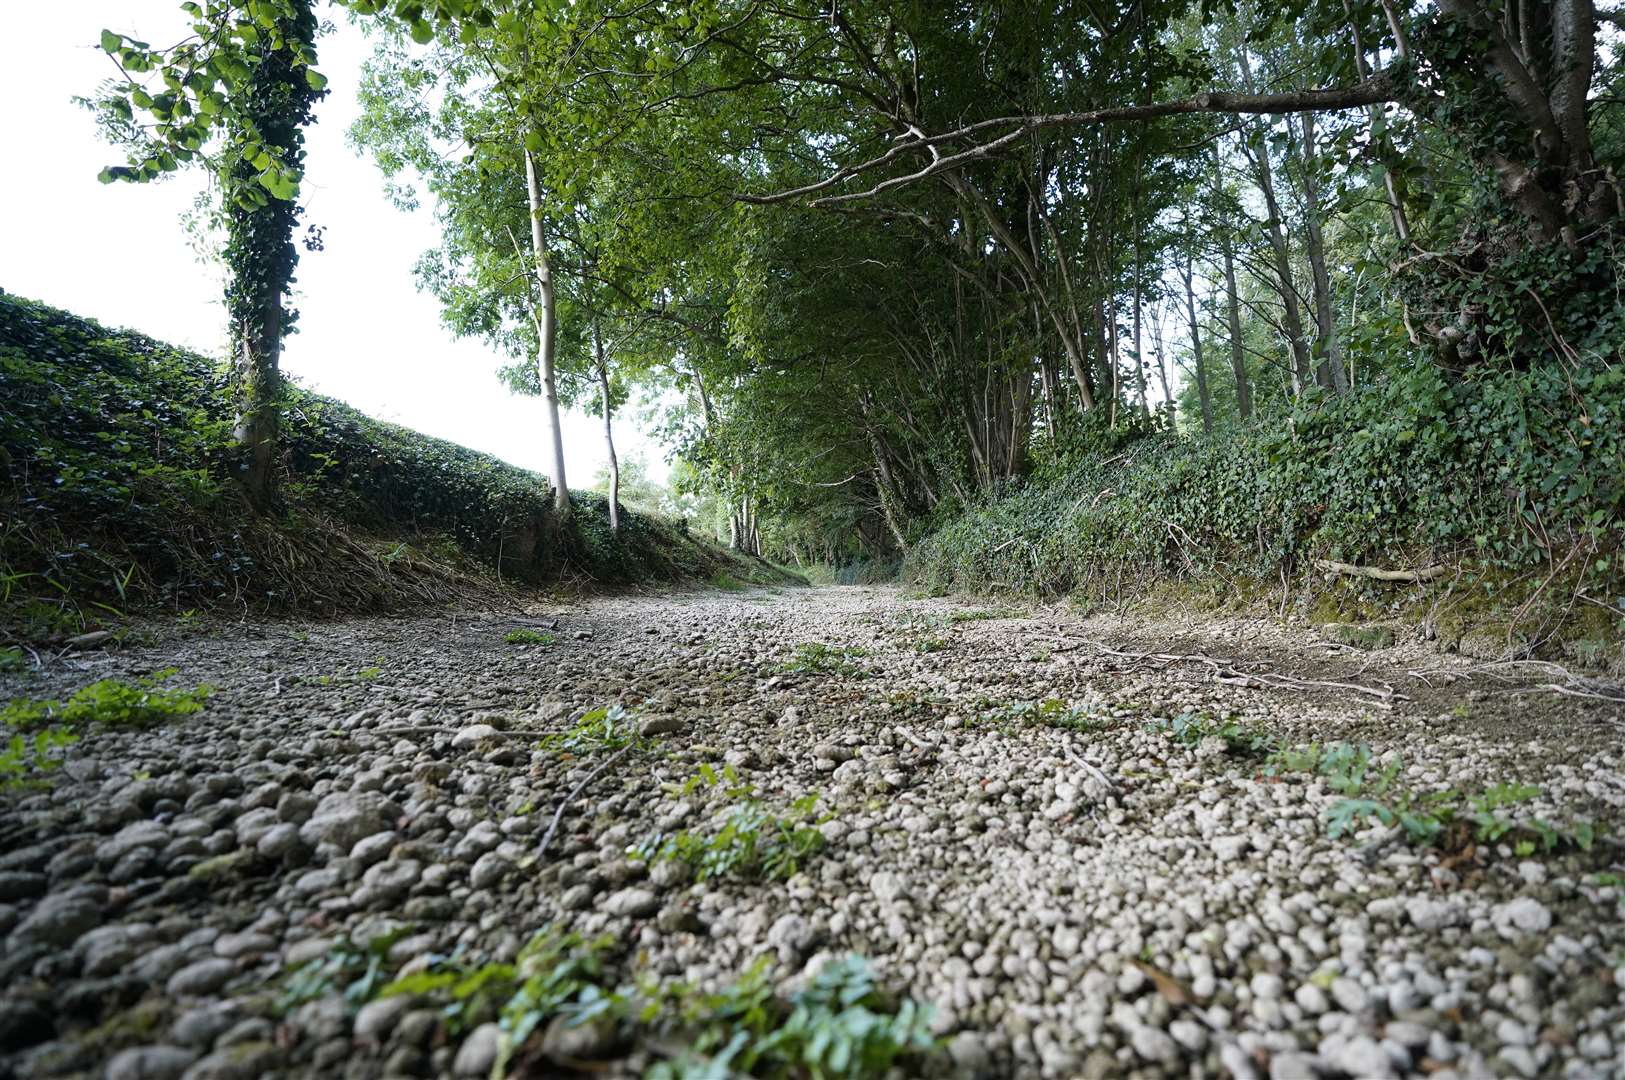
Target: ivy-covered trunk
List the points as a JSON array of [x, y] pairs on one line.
[[260, 255]]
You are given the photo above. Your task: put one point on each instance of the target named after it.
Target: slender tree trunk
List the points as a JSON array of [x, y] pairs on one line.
[[1258, 152], [1330, 370], [1202, 392], [609, 432], [1238, 357], [547, 331], [1139, 297]]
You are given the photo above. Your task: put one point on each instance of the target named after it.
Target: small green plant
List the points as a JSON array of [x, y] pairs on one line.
[[1051, 713], [727, 582], [605, 729], [930, 644], [840, 1025], [358, 972], [553, 973], [12, 661], [524, 635], [110, 703], [25, 760], [817, 658], [752, 842], [1192, 728], [1373, 792], [368, 674], [707, 776]]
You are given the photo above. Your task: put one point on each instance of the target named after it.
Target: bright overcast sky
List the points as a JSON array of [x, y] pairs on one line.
[[117, 253]]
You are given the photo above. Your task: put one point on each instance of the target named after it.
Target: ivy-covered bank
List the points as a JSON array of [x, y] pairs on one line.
[[116, 493], [1505, 490]]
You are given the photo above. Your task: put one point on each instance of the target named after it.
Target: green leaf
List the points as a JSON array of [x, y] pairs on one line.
[[315, 79], [111, 42]]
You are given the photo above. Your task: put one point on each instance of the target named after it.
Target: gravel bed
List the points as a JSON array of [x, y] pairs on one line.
[[1092, 888]]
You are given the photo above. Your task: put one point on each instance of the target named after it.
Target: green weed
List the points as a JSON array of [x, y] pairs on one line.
[[26, 759], [752, 843], [356, 971], [13, 661], [109, 703], [817, 658], [1374, 792], [1191, 728], [840, 1025], [605, 729]]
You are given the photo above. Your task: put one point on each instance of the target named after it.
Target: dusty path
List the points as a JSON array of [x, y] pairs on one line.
[[1087, 861]]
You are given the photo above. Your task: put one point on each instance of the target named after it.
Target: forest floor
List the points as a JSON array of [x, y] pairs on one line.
[[1089, 860]]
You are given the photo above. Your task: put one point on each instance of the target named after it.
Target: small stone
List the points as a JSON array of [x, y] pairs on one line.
[[567, 1040], [1154, 1044], [887, 885], [636, 903], [1311, 999], [661, 725], [1427, 913], [21, 885], [280, 841], [489, 869], [1520, 917], [58, 920], [202, 977], [467, 737], [1293, 1066], [1364, 1057], [247, 943], [245, 1061], [478, 1052], [378, 1018], [345, 817], [150, 1063], [1519, 1059], [1350, 996]]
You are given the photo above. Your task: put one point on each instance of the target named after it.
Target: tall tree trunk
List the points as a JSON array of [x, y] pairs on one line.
[[609, 432], [1238, 356], [547, 332], [1202, 392], [1330, 370], [1258, 152], [261, 256]]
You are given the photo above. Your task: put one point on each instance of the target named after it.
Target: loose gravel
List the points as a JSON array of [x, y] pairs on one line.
[[1076, 890]]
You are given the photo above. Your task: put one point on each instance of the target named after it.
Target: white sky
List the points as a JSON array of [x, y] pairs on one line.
[[117, 252]]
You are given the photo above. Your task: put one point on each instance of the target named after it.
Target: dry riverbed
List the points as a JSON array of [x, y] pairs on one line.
[[1094, 846]]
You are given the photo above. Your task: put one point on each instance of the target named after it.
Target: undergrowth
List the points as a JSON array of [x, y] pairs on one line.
[[1517, 478], [839, 1023], [116, 494]]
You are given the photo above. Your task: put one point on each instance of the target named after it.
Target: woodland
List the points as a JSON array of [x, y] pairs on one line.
[[1177, 288]]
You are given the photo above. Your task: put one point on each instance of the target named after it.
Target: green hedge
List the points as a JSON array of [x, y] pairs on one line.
[[1510, 473], [115, 487]]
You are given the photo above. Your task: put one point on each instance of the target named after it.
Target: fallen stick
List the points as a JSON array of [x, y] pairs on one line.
[[1426, 573], [558, 815]]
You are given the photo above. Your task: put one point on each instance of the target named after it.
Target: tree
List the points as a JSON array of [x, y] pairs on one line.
[[235, 97]]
